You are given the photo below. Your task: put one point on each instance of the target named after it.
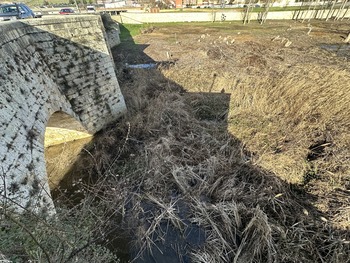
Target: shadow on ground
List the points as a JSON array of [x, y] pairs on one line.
[[173, 185]]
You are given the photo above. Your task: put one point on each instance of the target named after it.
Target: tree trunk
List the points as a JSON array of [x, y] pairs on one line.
[[314, 12], [307, 11], [246, 18], [299, 12], [330, 12], [267, 6], [345, 12]]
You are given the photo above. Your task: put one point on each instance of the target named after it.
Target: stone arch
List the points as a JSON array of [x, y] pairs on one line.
[[49, 66]]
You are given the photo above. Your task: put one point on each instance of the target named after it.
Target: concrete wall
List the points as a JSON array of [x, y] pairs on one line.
[[215, 16], [47, 66]]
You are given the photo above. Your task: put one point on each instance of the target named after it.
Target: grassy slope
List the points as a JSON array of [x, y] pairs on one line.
[[288, 104], [286, 95]]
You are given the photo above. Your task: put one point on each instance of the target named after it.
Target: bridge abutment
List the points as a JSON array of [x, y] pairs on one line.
[[48, 66]]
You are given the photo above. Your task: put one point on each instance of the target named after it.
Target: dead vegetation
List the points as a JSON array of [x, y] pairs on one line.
[[171, 153], [245, 142], [175, 154], [289, 103]]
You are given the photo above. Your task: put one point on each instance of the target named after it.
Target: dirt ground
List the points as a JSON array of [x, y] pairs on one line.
[[236, 41]]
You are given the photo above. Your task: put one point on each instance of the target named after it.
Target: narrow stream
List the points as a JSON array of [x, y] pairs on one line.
[[169, 244]]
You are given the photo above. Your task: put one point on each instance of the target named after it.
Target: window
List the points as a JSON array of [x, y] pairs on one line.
[[8, 9]]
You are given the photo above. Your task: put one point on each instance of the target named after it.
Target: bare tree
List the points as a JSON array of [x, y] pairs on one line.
[[299, 13], [345, 12], [314, 11], [324, 7], [247, 11], [305, 13], [341, 9], [263, 15], [331, 10]]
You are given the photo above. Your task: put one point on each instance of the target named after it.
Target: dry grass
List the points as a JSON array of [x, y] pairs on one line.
[[253, 167], [303, 111], [167, 152], [289, 105]]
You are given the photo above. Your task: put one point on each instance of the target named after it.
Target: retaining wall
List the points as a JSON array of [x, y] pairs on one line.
[[217, 16]]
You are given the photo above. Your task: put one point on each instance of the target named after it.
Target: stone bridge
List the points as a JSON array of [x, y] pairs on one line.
[[60, 66]]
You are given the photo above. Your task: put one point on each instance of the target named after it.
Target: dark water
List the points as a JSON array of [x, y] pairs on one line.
[[341, 50], [142, 66], [169, 244]]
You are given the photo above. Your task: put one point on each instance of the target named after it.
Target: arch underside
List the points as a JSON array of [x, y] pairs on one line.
[[62, 128], [65, 138]]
